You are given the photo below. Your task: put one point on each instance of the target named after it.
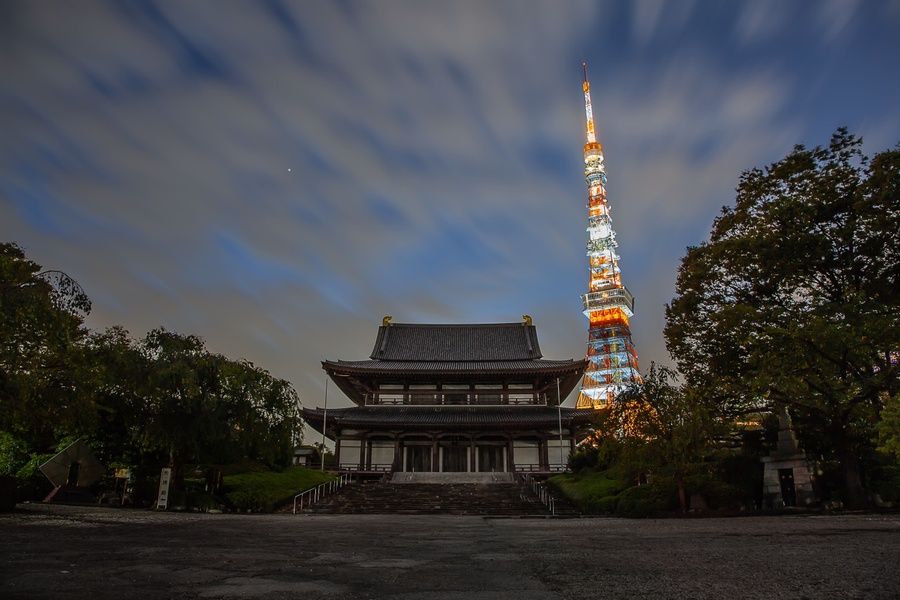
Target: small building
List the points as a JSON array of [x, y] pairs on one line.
[[305, 455], [460, 398]]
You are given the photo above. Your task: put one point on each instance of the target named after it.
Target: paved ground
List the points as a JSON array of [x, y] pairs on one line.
[[65, 552]]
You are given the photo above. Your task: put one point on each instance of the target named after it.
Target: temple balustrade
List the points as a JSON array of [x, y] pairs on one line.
[[447, 397]]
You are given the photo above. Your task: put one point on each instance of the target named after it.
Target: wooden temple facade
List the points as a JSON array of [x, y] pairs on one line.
[[462, 398]]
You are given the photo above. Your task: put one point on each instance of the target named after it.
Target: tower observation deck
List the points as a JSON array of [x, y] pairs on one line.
[[608, 305]]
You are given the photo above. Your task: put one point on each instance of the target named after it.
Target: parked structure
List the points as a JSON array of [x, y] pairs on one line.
[[461, 398]]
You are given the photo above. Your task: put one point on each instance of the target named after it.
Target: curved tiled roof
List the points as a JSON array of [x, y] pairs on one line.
[[484, 366], [453, 343]]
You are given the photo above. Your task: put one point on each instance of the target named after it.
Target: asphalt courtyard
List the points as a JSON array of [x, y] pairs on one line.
[[67, 552]]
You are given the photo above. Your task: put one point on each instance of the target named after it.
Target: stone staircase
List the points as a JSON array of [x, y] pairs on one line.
[[495, 499]]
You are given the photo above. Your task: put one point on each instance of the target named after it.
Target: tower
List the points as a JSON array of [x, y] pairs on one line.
[[608, 305]]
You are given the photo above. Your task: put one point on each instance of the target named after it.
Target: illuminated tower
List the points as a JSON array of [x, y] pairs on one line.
[[612, 359]]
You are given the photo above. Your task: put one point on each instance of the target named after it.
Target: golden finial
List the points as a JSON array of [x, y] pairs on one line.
[[386, 320], [527, 319]]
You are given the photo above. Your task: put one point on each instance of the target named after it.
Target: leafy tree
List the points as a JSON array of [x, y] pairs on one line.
[[793, 301], [164, 399], [203, 408], [117, 374], [41, 323], [661, 426], [889, 427]]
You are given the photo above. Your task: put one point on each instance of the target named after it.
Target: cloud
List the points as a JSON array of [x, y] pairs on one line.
[[278, 176], [835, 16], [760, 20]]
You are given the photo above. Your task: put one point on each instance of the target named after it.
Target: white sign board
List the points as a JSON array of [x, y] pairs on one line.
[[162, 501]]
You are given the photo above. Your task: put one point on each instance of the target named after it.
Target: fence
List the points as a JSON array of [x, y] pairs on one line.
[[313, 495], [541, 490]]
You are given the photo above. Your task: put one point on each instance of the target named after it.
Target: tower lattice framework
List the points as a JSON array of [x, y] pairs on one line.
[[608, 305]]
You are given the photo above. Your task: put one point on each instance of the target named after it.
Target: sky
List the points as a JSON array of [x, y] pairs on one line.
[[276, 176]]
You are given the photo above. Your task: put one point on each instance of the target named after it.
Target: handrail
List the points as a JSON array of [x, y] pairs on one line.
[[541, 490], [476, 397], [320, 491]]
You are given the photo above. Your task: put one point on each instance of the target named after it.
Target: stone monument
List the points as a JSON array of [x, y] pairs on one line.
[[786, 477]]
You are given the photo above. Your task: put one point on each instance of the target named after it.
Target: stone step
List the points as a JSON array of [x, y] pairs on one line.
[[501, 499], [448, 478]]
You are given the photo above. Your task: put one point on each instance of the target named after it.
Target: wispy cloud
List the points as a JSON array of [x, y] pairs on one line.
[[276, 176]]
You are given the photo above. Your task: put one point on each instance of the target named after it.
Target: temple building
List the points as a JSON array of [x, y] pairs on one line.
[[459, 398]]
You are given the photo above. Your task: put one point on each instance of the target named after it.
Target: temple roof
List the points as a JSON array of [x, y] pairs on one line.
[[455, 343], [462, 367], [490, 352], [447, 416]]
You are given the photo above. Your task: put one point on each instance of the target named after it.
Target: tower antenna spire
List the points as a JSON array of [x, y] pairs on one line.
[[588, 111]]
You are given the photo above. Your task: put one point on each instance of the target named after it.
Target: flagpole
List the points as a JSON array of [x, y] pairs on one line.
[[559, 413], [324, 421]]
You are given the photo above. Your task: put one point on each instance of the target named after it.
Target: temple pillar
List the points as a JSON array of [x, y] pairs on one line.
[[435, 459], [398, 460], [544, 456]]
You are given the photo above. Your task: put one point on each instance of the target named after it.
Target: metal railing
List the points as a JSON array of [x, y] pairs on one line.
[[541, 490], [314, 494], [372, 468], [456, 398], [539, 468], [617, 297]]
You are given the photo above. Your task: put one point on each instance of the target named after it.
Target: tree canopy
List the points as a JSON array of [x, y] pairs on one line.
[[162, 399], [41, 324], [793, 301], [660, 424]]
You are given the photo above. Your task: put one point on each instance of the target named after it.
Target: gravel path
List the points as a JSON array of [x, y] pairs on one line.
[[68, 552]]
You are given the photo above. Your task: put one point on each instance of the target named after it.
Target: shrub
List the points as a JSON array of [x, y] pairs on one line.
[[606, 505], [589, 489], [647, 500], [264, 491], [886, 482], [744, 473]]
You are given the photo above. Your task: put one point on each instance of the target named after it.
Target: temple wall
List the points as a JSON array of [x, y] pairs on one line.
[[351, 452], [526, 453]]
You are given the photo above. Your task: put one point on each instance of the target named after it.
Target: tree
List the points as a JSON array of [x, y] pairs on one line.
[[889, 427], [117, 374], [204, 408], [660, 425], [793, 301], [41, 323]]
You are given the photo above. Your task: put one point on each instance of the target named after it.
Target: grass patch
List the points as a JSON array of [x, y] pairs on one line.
[[264, 491], [591, 491]]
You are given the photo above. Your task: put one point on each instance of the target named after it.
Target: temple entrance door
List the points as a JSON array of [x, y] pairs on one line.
[[418, 458], [454, 459], [490, 459]]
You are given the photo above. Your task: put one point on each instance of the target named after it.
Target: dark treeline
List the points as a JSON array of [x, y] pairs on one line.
[[161, 400]]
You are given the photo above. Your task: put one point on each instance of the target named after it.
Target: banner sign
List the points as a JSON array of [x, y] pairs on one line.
[[162, 501]]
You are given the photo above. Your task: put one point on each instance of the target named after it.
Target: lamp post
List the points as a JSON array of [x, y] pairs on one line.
[[559, 414], [324, 421]]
